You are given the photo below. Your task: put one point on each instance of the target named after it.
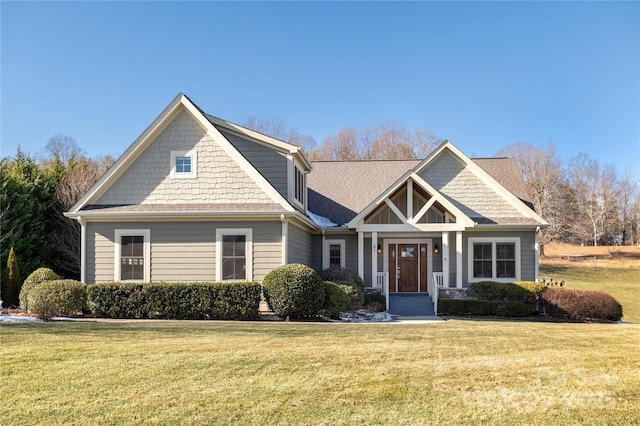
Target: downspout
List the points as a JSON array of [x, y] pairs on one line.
[[322, 252], [285, 238], [83, 249]]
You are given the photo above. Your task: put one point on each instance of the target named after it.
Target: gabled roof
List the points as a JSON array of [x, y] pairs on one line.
[[179, 103], [339, 190]]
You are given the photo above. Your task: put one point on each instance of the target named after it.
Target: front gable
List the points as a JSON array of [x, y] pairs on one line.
[[472, 190], [218, 179], [145, 173]]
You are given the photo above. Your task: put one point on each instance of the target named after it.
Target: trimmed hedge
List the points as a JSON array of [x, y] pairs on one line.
[[335, 299], [524, 291], [54, 298], [38, 276], [503, 308], [561, 302], [294, 291], [229, 301]]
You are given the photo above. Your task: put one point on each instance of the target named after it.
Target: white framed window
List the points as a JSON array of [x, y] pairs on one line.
[[299, 186], [495, 259], [234, 254], [184, 164], [333, 254], [132, 255]]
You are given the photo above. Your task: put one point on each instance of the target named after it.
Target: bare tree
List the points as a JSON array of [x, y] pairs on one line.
[[61, 148], [387, 140], [628, 203], [543, 174]]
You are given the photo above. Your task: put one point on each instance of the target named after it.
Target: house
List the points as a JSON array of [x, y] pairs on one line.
[[197, 198]]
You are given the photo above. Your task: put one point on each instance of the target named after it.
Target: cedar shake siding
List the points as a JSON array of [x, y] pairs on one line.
[[220, 180]]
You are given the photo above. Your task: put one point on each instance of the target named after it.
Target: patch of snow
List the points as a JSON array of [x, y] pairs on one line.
[[322, 221], [11, 318], [363, 315]]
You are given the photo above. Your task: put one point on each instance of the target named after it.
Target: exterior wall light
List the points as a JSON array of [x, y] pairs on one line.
[[436, 249]]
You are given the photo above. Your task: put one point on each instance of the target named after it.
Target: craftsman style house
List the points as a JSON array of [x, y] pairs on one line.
[[197, 198]]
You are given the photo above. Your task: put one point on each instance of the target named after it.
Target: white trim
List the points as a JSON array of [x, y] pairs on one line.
[[325, 252], [285, 239], [458, 259], [248, 233], [536, 261], [118, 234], [445, 259], [361, 256], [83, 249], [193, 155], [374, 257], [493, 241]]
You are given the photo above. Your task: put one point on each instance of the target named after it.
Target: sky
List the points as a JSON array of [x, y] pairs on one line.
[[483, 75]]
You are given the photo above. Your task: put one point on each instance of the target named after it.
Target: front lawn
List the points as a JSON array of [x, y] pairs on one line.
[[207, 372]]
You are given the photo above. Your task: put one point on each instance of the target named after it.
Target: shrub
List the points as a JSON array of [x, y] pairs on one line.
[[560, 302], [375, 302], [509, 308], [55, 298], [335, 299], [38, 276], [354, 292], [294, 291], [526, 292], [231, 301], [343, 275]]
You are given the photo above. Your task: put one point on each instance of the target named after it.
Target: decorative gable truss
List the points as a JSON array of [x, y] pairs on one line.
[[424, 210]]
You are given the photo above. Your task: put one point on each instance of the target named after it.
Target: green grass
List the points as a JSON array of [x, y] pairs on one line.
[[621, 283], [260, 373]]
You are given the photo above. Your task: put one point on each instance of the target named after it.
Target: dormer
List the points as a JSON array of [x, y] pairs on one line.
[[297, 182]]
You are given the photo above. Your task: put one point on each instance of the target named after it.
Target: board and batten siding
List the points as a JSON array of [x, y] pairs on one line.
[[299, 249], [182, 251], [270, 163], [527, 252]]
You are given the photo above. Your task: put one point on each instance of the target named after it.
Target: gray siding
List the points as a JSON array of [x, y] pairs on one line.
[[269, 162], [300, 246], [527, 252], [182, 251]]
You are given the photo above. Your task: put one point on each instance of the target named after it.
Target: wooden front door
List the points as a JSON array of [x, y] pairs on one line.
[[408, 267]]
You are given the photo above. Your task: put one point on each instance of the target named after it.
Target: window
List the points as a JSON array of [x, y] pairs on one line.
[[496, 259], [131, 262], [333, 254], [298, 187], [234, 255], [184, 164]]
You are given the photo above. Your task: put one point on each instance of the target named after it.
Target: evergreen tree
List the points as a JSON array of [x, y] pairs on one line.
[[13, 282]]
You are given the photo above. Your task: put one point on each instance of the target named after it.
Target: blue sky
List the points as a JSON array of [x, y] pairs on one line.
[[482, 74]]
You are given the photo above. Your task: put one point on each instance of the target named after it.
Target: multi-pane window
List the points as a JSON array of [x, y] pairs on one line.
[[298, 187], [335, 255], [494, 259], [482, 260], [234, 257], [505, 260], [132, 257], [183, 164]]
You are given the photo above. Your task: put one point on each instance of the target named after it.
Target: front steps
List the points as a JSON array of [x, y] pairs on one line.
[[411, 304]]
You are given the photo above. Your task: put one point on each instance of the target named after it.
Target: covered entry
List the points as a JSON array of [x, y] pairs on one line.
[[408, 266]]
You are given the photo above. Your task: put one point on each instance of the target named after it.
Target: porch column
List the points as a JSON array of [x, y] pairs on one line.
[[459, 259], [361, 255], [537, 255], [374, 258], [445, 259]]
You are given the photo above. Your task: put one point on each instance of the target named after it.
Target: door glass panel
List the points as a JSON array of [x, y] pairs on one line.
[[407, 252]]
